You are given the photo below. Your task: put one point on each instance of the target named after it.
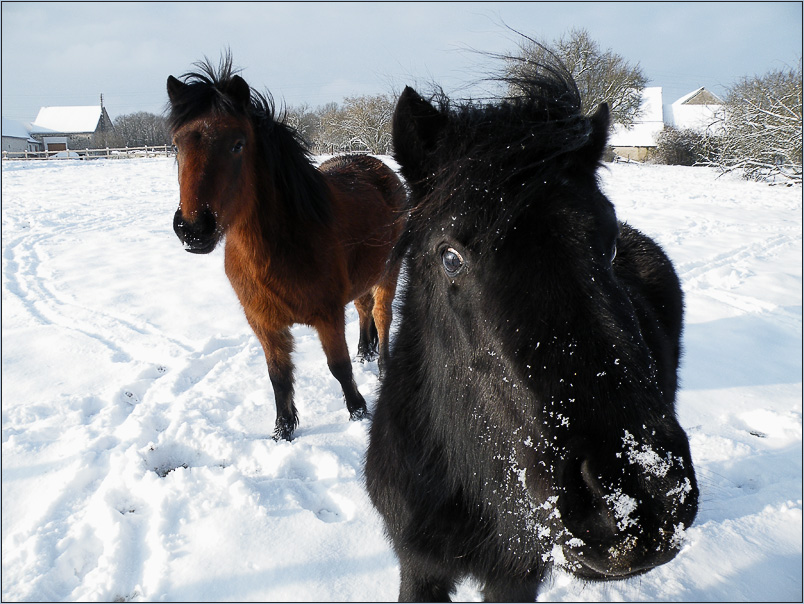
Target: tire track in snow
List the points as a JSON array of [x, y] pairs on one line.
[[692, 270], [701, 277], [40, 296]]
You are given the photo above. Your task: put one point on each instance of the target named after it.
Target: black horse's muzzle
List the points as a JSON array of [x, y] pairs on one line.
[[627, 514], [200, 236]]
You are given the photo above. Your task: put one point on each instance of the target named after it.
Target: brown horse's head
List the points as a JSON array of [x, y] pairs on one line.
[[234, 156], [215, 140]]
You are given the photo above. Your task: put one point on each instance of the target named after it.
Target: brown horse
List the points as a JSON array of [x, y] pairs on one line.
[[301, 242]]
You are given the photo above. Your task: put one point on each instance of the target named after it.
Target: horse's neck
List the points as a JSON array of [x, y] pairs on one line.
[[268, 236]]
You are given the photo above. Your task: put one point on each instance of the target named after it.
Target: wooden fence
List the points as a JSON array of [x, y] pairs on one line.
[[106, 153]]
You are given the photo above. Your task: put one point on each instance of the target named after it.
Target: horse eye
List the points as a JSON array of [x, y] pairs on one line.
[[238, 147], [452, 261], [613, 252]]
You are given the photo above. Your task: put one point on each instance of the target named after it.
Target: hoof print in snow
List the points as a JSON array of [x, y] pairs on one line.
[[127, 510], [328, 515], [163, 471], [165, 458]]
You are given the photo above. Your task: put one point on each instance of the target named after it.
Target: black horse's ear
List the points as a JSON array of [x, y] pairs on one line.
[[599, 136], [174, 88], [415, 129], [239, 90]]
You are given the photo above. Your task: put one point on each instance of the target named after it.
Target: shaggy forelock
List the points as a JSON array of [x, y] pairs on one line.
[[207, 91]]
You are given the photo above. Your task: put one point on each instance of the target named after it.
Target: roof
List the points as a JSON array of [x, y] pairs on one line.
[[67, 119], [15, 129], [700, 96]]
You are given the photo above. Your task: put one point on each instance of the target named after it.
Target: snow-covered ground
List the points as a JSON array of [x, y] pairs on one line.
[[137, 462]]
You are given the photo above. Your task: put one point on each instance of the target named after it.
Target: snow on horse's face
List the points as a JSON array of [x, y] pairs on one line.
[[539, 344]]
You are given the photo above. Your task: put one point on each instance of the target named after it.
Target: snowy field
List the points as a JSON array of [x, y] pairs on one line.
[[137, 463]]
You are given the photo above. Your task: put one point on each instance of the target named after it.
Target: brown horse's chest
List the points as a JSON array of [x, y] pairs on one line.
[[277, 294]]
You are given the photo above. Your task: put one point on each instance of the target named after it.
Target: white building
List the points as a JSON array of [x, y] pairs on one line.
[[62, 128], [16, 137]]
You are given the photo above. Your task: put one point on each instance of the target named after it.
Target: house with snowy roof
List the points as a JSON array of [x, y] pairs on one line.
[[62, 128], [696, 110], [17, 138]]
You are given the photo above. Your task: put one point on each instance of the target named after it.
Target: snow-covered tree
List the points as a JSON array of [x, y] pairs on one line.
[[331, 138], [367, 122], [305, 121], [362, 123], [762, 127], [140, 129]]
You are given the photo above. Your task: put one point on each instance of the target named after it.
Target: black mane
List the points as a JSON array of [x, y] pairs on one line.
[[213, 90]]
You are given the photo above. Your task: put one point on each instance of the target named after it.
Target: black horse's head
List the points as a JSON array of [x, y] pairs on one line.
[[549, 330]]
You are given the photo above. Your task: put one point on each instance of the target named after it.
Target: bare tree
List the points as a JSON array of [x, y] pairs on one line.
[[362, 123], [683, 147], [305, 121], [367, 122], [331, 137], [762, 127], [140, 129], [601, 75]]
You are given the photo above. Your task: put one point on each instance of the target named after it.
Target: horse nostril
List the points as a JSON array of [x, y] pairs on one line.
[[198, 236], [583, 505], [590, 480], [205, 225]]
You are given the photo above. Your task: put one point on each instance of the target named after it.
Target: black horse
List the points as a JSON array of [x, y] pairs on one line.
[[527, 417]]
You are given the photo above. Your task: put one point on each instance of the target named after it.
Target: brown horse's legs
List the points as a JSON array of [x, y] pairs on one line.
[[383, 314], [367, 346], [333, 341], [278, 347]]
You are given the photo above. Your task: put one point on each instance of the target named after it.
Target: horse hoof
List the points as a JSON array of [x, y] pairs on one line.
[[283, 431], [358, 414], [367, 357]]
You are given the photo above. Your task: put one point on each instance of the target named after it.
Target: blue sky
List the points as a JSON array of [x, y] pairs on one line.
[[68, 53]]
